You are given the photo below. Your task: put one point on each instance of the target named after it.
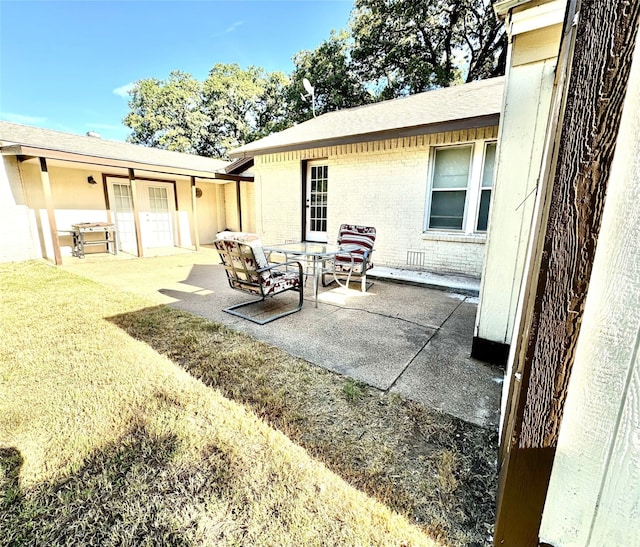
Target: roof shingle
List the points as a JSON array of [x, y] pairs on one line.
[[475, 100], [47, 139]]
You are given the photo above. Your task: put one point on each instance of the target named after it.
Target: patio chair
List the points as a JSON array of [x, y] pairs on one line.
[[249, 271], [355, 263]]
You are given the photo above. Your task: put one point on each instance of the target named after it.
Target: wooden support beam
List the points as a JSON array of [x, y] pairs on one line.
[[48, 200], [136, 212], [194, 211], [567, 223]]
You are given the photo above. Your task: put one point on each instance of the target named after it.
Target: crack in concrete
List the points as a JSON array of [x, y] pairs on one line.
[[436, 329]]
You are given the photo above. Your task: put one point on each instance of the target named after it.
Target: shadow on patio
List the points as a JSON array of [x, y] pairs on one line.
[[405, 339]]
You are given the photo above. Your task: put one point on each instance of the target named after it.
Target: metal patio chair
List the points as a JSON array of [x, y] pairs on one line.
[[249, 271], [355, 263]]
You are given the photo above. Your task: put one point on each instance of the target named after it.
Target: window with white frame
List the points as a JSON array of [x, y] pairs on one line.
[[486, 184], [460, 187]]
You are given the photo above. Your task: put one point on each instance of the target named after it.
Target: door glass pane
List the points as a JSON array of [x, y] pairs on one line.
[[483, 212], [451, 167], [158, 200], [123, 216], [489, 164], [159, 217], [447, 209]]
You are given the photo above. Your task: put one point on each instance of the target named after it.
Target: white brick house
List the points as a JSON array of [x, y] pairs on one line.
[[419, 169]]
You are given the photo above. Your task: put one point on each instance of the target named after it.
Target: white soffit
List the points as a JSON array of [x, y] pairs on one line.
[[539, 17]]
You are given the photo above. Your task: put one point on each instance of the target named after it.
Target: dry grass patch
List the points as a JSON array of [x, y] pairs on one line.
[[435, 469], [104, 440]]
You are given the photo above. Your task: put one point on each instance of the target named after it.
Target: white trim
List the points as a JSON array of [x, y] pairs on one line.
[[502, 8], [315, 235], [475, 183], [485, 188], [473, 191], [433, 154], [455, 237], [536, 18]]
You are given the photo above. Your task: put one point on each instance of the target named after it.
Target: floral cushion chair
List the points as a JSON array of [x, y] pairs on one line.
[[355, 263], [249, 271]]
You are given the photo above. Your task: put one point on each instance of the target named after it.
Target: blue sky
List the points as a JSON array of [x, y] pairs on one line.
[[64, 64]]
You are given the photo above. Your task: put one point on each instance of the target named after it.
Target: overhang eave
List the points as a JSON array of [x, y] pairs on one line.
[[428, 129], [26, 153]]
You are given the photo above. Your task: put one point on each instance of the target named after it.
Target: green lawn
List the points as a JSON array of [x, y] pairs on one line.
[[126, 423]]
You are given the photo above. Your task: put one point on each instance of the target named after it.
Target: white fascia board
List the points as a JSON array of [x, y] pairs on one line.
[[539, 17], [503, 7]]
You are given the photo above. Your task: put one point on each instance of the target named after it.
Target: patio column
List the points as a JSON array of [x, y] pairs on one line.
[[194, 210], [136, 212], [239, 204], [48, 200]]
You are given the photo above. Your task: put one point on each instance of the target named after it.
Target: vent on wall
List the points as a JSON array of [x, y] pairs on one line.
[[415, 258]]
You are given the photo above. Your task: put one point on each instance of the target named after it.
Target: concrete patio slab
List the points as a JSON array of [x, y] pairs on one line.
[[471, 385], [347, 341], [408, 339]]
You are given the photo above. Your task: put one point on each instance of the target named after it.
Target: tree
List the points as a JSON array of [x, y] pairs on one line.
[[396, 48], [273, 111], [167, 114], [408, 47], [231, 107], [328, 69], [241, 105]]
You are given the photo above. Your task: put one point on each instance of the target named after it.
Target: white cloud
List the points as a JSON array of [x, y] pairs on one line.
[[229, 29], [233, 27], [20, 118], [123, 90]]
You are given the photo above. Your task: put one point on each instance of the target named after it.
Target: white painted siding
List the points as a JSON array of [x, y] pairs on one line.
[[210, 208], [523, 127], [18, 227], [594, 493]]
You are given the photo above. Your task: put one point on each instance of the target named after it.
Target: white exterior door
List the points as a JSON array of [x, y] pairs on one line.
[[316, 202], [122, 207], [157, 207]]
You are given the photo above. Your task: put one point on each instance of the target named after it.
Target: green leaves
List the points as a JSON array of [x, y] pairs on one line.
[[231, 107], [409, 47], [393, 48], [167, 114], [329, 69]]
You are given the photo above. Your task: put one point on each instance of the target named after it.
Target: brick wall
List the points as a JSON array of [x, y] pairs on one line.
[[382, 184], [278, 200]]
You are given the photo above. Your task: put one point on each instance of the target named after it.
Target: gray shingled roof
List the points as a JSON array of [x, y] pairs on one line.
[[475, 102], [95, 147]]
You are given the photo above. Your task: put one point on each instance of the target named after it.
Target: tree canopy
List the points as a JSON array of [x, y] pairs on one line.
[[168, 114], [409, 47], [231, 107], [392, 48], [336, 85]]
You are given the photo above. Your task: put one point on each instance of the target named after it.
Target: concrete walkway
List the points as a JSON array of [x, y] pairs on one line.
[[404, 338]]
